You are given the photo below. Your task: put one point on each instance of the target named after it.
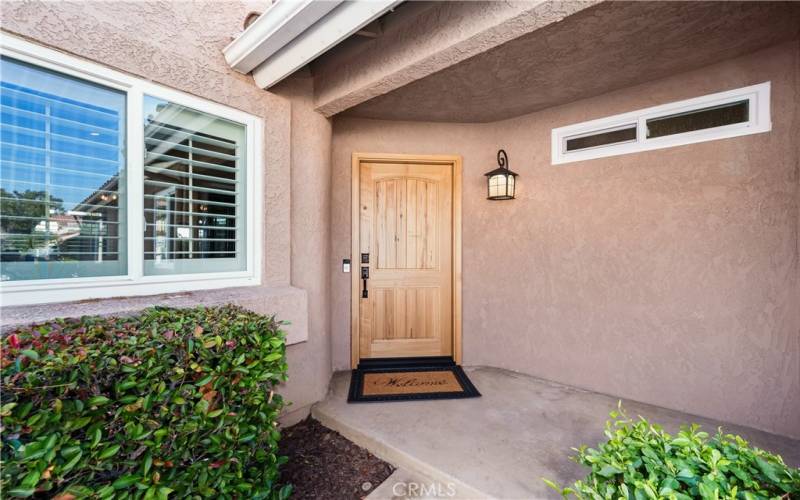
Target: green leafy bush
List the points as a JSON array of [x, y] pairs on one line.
[[641, 461], [171, 401]]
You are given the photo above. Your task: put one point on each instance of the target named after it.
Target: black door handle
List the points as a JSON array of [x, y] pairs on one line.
[[364, 278]]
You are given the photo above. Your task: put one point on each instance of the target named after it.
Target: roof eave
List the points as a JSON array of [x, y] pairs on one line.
[[273, 30], [291, 34]]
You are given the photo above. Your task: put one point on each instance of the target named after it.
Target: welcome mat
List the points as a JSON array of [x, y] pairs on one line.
[[408, 379]]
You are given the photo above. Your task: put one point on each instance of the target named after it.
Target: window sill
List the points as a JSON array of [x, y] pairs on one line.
[[286, 303], [19, 293]]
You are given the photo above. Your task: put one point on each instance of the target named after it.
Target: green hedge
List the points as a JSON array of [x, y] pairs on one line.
[[173, 402], [640, 461]]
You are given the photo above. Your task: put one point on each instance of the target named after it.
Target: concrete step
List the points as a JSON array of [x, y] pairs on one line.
[[412, 470]]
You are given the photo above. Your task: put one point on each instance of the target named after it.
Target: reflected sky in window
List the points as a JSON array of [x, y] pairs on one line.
[[59, 134], [62, 166]]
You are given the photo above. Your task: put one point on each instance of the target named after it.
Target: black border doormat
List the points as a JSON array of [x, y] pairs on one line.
[[374, 368]]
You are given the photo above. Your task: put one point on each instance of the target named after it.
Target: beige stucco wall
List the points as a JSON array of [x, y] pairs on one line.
[[669, 276], [178, 44], [310, 366]]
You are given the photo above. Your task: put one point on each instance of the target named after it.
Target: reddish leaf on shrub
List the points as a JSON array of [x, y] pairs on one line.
[[119, 396]]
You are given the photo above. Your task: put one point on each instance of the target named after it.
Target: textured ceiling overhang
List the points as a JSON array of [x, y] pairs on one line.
[[421, 38], [603, 48]]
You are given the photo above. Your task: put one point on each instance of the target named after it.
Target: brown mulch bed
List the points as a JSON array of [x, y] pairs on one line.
[[323, 464]]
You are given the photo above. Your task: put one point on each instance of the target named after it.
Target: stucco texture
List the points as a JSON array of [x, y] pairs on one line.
[[179, 44], [422, 39], [310, 232], [558, 59], [668, 277]]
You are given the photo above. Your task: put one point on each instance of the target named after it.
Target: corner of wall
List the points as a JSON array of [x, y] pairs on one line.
[[309, 230]]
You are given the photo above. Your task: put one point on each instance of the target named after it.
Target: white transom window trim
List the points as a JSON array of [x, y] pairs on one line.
[[723, 115], [115, 186]]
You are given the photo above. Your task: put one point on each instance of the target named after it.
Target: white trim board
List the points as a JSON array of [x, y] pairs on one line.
[[272, 30], [341, 22], [759, 121], [134, 283]]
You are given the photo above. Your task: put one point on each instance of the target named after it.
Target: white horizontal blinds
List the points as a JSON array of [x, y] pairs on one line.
[[62, 200], [193, 191]]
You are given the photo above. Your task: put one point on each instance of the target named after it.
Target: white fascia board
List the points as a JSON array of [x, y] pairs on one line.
[[340, 23], [273, 29]]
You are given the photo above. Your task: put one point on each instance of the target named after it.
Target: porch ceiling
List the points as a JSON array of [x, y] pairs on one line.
[[603, 48]]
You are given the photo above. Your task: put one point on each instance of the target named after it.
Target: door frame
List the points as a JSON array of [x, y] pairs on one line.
[[355, 196]]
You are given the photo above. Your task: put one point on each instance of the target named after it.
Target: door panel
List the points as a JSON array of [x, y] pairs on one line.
[[406, 313], [406, 223], [405, 220]]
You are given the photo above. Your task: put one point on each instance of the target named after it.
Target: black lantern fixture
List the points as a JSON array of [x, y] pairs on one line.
[[501, 180]]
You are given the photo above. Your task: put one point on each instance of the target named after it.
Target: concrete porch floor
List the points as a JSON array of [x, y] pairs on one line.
[[501, 444]]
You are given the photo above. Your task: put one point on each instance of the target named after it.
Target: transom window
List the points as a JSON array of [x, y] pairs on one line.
[[111, 186], [717, 116]]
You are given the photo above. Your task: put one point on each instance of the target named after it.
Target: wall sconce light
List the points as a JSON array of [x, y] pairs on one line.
[[501, 180]]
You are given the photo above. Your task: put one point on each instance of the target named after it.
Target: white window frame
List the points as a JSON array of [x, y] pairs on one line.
[[758, 97], [135, 282]]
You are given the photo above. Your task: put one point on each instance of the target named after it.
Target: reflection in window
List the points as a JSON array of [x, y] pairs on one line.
[[602, 138], [194, 198], [62, 196], [699, 119]]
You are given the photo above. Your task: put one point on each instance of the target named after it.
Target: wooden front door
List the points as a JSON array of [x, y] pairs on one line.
[[405, 240]]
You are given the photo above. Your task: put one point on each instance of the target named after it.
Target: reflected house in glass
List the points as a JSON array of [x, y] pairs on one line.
[[191, 190], [87, 232], [96, 216]]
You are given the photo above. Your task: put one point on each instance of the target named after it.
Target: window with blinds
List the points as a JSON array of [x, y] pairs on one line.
[[62, 176], [112, 185], [193, 196]]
